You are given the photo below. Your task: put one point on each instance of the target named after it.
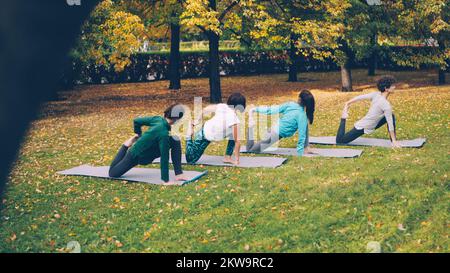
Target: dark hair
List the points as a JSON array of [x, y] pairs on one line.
[[306, 99], [174, 112], [385, 83], [238, 101]]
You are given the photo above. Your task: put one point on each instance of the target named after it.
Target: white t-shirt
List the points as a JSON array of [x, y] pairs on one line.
[[379, 108], [220, 126]]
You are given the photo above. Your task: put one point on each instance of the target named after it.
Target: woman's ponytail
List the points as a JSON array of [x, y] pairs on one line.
[[306, 99]]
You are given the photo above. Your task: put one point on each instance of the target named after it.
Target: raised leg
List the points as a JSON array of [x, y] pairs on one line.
[[196, 147]]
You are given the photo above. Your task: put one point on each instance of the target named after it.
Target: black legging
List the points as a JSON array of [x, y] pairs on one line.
[[124, 161], [344, 138]]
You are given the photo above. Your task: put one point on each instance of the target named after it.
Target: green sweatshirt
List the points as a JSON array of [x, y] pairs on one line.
[[154, 143]]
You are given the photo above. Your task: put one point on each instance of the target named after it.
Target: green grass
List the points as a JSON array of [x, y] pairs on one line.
[[307, 205]]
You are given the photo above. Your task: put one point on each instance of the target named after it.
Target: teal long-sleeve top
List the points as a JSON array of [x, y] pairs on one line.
[[154, 143], [292, 119]]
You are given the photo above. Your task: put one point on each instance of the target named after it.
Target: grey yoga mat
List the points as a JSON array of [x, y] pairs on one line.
[[245, 162], [374, 142], [145, 175], [340, 153]]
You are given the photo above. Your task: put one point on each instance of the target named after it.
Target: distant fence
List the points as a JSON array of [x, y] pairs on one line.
[[155, 66]]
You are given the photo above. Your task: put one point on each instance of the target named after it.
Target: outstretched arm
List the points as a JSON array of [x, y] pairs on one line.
[[272, 110], [302, 135], [391, 127], [360, 98]]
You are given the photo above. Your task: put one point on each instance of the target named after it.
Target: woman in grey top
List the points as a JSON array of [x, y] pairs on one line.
[[380, 113]]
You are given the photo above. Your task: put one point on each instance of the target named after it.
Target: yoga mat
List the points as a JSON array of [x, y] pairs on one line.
[[145, 175], [245, 162], [339, 153], [374, 142]]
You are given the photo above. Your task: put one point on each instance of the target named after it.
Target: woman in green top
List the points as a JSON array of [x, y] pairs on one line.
[[154, 143]]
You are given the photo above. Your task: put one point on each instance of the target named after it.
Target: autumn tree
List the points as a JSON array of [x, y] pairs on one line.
[[304, 27], [110, 36], [160, 18], [425, 21], [365, 21], [212, 17]]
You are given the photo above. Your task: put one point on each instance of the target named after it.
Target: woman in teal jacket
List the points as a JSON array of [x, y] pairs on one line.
[[294, 117]]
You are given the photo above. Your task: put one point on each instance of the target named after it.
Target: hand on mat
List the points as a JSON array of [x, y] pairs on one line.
[[131, 141], [181, 177], [396, 145], [309, 150]]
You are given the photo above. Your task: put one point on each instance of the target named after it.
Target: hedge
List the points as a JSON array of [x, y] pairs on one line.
[[155, 66]]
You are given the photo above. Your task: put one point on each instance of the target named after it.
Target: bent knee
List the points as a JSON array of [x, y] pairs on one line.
[[340, 140], [113, 174]]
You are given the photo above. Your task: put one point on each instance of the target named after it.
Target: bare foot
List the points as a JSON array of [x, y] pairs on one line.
[[131, 141], [345, 112], [191, 130], [230, 161]]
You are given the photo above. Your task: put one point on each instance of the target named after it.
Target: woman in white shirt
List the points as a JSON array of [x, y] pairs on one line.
[[380, 113], [224, 125]]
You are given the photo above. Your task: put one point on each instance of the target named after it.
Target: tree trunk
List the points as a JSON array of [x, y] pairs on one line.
[[346, 75], [245, 28], [294, 60], [175, 58], [373, 56], [346, 72], [215, 93], [372, 64], [441, 76], [214, 66]]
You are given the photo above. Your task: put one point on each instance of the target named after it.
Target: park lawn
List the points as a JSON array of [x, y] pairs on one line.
[[399, 198]]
